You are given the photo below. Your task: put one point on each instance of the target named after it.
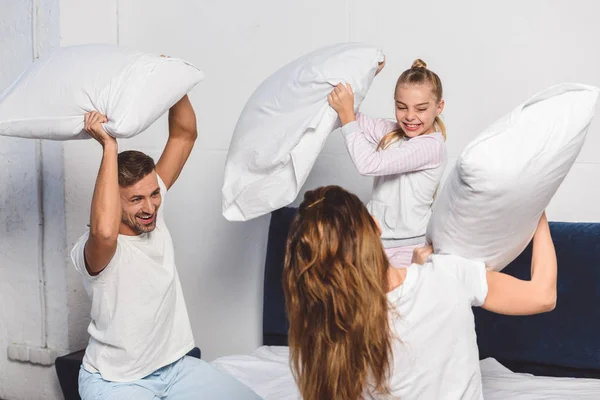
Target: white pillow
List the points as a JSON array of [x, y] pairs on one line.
[[285, 124], [490, 205], [49, 100]]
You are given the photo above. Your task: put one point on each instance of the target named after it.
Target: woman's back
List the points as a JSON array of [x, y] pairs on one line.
[[361, 329], [435, 353]]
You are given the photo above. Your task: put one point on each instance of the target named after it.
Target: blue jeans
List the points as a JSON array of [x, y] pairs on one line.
[[186, 379]]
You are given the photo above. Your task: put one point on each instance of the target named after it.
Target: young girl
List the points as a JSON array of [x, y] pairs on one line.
[[361, 329], [407, 157]]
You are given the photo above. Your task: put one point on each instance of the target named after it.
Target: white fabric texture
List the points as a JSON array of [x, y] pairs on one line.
[[284, 126], [267, 372], [429, 362], [490, 205], [406, 176], [139, 317], [133, 89]]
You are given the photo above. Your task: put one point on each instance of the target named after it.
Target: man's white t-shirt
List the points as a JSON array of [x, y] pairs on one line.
[[435, 354], [139, 317]]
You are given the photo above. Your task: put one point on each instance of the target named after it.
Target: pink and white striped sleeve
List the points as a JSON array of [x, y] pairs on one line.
[[375, 129], [416, 154]]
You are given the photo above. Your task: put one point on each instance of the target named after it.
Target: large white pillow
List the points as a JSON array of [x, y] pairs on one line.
[[49, 100], [490, 205], [285, 124]]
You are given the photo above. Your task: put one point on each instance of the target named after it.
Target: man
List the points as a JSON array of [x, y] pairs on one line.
[[140, 330]]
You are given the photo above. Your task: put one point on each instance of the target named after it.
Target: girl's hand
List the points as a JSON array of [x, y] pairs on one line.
[[341, 99], [421, 254]]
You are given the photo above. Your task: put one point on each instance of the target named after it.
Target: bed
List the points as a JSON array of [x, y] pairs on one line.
[[544, 357]]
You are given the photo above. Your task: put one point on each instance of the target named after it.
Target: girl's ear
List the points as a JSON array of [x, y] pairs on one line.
[[440, 107]]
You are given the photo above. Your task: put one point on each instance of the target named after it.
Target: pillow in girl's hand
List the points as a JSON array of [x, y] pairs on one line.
[[285, 124]]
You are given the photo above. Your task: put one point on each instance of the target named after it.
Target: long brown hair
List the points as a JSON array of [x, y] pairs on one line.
[[335, 282], [415, 75]]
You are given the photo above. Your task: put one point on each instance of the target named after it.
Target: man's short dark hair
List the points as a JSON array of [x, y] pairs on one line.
[[133, 167]]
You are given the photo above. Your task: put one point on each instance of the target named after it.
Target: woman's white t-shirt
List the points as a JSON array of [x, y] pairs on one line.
[[435, 354]]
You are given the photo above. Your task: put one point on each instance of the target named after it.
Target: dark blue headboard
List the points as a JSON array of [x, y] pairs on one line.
[[564, 342], [275, 325]]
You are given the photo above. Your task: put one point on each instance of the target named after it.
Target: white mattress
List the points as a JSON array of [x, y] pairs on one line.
[[267, 372]]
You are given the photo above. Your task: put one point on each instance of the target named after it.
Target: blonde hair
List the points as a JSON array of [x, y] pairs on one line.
[[335, 280], [416, 74]]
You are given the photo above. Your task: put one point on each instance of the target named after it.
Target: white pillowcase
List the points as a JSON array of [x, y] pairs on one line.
[[133, 89], [285, 124], [490, 205]]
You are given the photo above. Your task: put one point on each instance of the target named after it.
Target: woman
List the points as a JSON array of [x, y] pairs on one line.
[[362, 329]]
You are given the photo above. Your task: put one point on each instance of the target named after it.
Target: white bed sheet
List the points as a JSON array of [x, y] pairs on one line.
[[267, 372]]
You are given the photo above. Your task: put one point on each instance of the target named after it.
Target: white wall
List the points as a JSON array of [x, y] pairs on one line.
[[32, 315], [491, 57]]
